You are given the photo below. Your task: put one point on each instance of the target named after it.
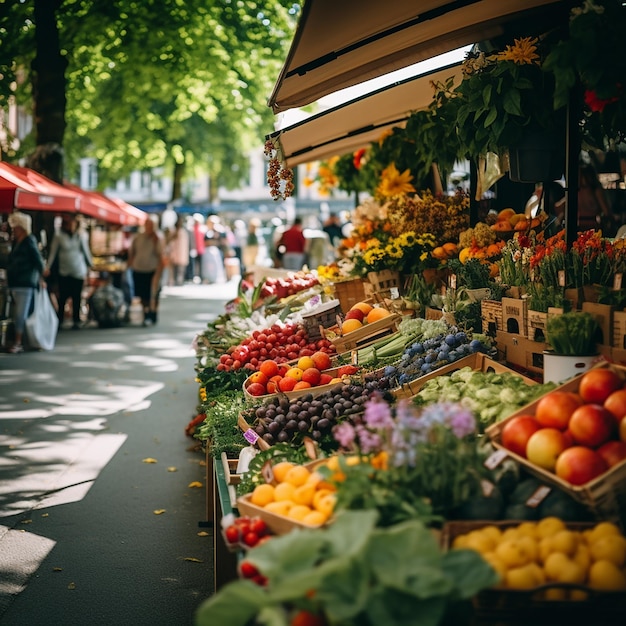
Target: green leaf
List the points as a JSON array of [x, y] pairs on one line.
[[393, 608], [512, 102], [491, 117], [272, 616], [469, 572], [236, 604], [350, 532]]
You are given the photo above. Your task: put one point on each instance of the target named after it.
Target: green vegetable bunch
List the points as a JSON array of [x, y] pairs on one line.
[[573, 334], [352, 573]]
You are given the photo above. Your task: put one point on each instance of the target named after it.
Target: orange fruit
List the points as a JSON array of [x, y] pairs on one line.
[[326, 504], [302, 384], [258, 377], [262, 495], [321, 360], [297, 475], [284, 491], [295, 373], [377, 313], [304, 494], [505, 214], [349, 325], [280, 470], [280, 508], [272, 384], [314, 518], [362, 306], [304, 362], [269, 368], [298, 512]]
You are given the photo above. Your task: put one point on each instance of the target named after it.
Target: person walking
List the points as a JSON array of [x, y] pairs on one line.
[[251, 247], [70, 245], [179, 252], [25, 267], [294, 242], [145, 258]]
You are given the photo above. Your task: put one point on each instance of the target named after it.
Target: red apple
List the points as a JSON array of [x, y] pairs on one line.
[[325, 379], [517, 431], [616, 404], [544, 447], [591, 425], [579, 465], [355, 314], [256, 389], [555, 409], [613, 452], [598, 384]]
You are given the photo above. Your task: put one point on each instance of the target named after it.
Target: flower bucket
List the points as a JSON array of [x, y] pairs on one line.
[[558, 368], [535, 159]]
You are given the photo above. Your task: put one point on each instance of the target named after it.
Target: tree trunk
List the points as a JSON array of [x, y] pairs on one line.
[[177, 187], [49, 101]]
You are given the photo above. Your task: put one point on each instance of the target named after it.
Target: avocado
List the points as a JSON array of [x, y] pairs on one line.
[[521, 512], [480, 507], [524, 490], [559, 504]]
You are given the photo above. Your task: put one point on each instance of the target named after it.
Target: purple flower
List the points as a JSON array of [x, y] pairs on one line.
[[462, 423], [345, 434], [368, 441], [377, 414]]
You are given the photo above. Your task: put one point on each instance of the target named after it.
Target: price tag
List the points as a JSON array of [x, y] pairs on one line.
[[561, 275], [538, 497], [487, 487], [495, 458], [250, 436], [267, 472], [617, 281]]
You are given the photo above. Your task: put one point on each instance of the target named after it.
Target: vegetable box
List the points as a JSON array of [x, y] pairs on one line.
[[367, 334], [605, 495]]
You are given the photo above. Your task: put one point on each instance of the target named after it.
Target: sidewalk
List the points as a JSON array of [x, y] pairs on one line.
[[91, 533]]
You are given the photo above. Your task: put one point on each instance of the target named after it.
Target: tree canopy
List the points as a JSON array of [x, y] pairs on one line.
[[140, 84]]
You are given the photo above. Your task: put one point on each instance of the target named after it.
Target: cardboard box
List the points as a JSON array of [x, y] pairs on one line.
[[491, 314], [619, 330], [604, 314], [515, 315], [521, 351], [537, 323]]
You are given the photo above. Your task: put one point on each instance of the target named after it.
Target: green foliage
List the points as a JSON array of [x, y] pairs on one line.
[[362, 575], [573, 333]]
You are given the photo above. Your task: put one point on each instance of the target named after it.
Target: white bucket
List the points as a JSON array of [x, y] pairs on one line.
[[558, 368]]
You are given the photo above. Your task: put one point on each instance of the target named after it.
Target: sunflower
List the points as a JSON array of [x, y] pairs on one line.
[[393, 183], [522, 52]]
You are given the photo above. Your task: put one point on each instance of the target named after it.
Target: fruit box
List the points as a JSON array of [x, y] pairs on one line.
[[230, 470], [605, 495], [532, 606], [477, 361], [293, 394], [367, 334]]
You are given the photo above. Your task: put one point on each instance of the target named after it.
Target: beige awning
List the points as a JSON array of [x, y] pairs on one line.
[[340, 43], [359, 122]]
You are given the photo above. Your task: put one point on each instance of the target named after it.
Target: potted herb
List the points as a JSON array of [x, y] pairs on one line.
[[573, 337]]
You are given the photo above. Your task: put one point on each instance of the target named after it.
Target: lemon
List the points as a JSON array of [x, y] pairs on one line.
[[606, 576], [460, 541], [530, 547], [610, 548], [582, 556], [565, 541], [280, 470], [549, 526], [520, 577], [602, 529], [298, 512], [493, 532], [479, 542], [512, 553], [314, 518], [304, 494], [262, 494], [545, 549], [528, 529], [279, 508], [555, 564], [555, 594], [495, 562], [284, 491]]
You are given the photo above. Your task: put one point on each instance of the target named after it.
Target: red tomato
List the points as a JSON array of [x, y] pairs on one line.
[[517, 431], [251, 539], [598, 384], [247, 570], [591, 425], [616, 404], [555, 409], [258, 526], [232, 534], [613, 452], [579, 465]]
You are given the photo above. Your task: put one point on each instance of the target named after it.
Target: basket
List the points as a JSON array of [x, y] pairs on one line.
[[382, 282], [349, 292], [369, 333], [531, 606], [324, 315], [604, 496]]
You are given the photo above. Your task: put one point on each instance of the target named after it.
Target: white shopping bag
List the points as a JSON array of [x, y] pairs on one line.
[[42, 325]]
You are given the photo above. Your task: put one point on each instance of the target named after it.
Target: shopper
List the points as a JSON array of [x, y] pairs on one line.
[[145, 258], [294, 243], [179, 252], [251, 247], [71, 247], [24, 269]]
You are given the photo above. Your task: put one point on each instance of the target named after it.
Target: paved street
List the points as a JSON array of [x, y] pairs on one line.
[[90, 533]]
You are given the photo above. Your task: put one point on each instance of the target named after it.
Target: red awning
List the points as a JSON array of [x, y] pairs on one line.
[[23, 188], [100, 207]]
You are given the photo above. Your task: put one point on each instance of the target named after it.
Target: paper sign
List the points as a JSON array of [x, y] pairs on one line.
[[538, 497], [617, 281], [495, 458], [250, 436], [487, 487]]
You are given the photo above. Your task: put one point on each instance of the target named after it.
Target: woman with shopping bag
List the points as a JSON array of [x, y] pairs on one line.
[[24, 270]]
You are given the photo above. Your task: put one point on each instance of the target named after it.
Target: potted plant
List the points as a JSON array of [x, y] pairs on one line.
[[573, 337]]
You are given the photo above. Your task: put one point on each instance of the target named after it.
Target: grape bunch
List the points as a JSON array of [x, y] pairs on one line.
[[424, 357], [280, 420]]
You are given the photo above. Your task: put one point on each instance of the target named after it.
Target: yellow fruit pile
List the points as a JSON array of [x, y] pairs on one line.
[[298, 494], [547, 552]]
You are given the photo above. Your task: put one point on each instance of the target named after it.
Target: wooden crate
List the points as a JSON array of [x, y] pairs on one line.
[[324, 315], [250, 434], [520, 351], [477, 361], [532, 606], [230, 470], [491, 313], [619, 330], [514, 315], [349, 292], [382, 282], [536, 325], [605, 495], [604, 315], [367, 334], [433, 314]]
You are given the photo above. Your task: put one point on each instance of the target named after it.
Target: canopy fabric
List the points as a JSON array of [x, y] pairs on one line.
[[338, 44], [135, 214], [100, 207], [357, 123], [23, 188]]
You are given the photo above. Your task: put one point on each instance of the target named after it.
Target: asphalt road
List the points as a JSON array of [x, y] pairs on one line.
[[90, 533]]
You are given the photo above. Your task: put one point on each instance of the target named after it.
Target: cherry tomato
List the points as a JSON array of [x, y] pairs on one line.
[[248, 570], [232, 534], [251, 539]]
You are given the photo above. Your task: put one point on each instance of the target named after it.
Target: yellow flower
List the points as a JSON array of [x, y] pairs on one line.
[[395, 184], [522, 52]]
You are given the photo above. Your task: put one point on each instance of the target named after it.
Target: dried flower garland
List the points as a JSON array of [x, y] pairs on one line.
[[279, 176]]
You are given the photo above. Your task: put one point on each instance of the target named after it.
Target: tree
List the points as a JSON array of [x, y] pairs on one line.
[[155, 83]]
